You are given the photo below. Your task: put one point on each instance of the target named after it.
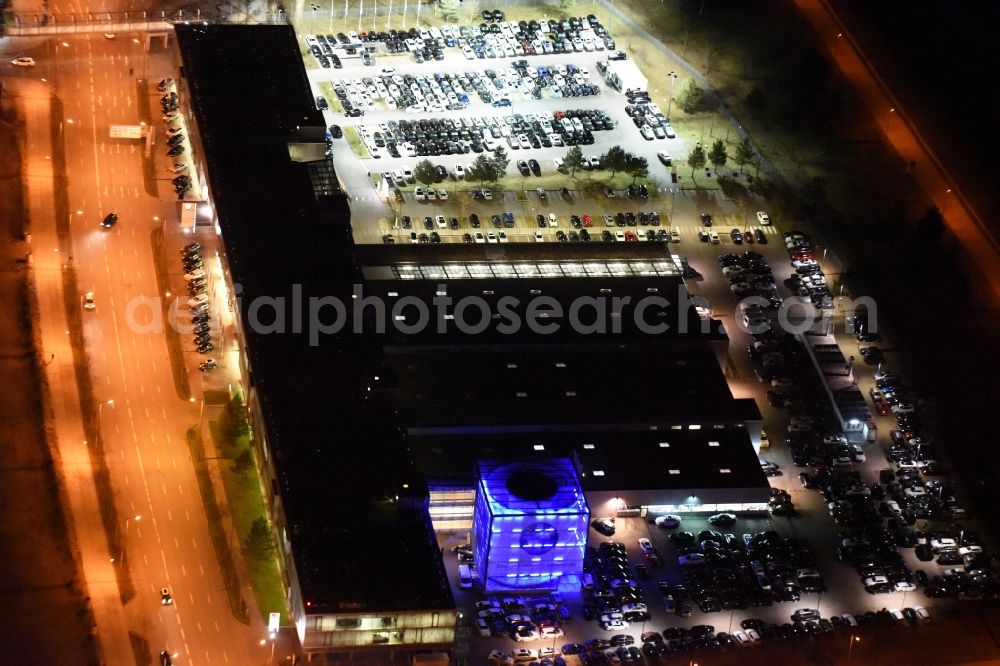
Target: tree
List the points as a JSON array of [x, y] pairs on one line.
[[233, 422], [259, 542], [243, 463], [696, 159], [450, 9], [717, 156], [500, 163], [691, 98], [744, 153], [615, 160], [566, 7], [425, 172], [573, 160], [637, 167], [483, 170]]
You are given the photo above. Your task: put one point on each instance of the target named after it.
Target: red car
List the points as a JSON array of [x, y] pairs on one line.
[[630, 235], [748, 237], [588, 221], [803, 256]]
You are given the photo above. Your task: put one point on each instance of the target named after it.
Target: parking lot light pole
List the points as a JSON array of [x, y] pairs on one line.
[[670, 100], [850, 645]]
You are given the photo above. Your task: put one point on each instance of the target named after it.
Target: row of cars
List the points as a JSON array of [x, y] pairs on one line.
[[522, 619], [196, 286], [663, 646], [808, 281], [648, 118], [726, 572], [454, 136], [322, 48], [176, 139], [749, 274], [498, 39], [416, 93]]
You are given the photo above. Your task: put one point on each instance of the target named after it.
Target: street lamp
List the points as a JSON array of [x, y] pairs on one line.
[[888, 118], [121, 552], [850, 645], [947, 198], [100, 407], [670, 101]]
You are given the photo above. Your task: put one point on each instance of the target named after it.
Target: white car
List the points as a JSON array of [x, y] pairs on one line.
[[442, 195], [491, 237], [23, 62], [419, 194], [742, 639], [646, 545], [441, 222], [88, 301], [553, 220], [668, 522], [479, 238], [664, 158], [763, 218], [558, 163], [922, 614], [614, 625], [903, 586], [942, 543], [502, 236], [539, 238], [459, 171], [524, 654], [713, 237]]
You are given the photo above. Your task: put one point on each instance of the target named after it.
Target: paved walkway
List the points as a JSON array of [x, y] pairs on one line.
[[48, 258], [962, 219]]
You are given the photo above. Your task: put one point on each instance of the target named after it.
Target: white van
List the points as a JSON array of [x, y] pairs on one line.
[[464, 576]]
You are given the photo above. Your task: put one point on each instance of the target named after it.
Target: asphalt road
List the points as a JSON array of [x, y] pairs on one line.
[[142, 417]]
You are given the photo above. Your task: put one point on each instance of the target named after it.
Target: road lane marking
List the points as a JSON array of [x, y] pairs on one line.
[[198, 624], [218, 629], [185, 573], [170, 515]]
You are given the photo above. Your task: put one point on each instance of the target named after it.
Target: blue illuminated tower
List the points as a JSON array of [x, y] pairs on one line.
[[529, 528]]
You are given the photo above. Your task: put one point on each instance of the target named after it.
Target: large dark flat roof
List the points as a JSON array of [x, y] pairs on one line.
[[651, 308], [609, 460], [336, 447], [575, 387]]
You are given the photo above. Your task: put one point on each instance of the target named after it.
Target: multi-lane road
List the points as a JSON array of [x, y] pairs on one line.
[[143, 415]]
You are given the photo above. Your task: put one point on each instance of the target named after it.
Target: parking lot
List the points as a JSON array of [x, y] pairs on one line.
[[467, 104], [846, 538], [880, 542]]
